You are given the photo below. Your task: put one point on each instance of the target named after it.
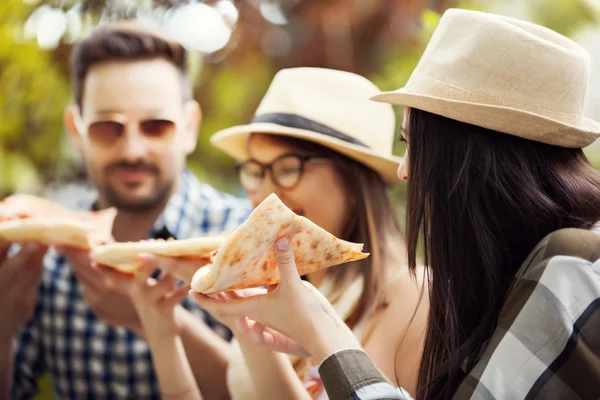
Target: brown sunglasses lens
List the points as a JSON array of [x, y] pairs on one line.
[[105, 132], [108, 132], [157, 128]]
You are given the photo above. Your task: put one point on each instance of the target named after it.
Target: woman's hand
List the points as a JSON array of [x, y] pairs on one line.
[[243, 327], [156, 301], [294, 317], [237, 325]]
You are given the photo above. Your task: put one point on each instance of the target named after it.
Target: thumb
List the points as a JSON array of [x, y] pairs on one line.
[[284, 255]]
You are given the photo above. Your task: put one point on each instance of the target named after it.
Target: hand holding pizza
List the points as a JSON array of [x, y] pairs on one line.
[[294, 317], [156, 301], [241, 325], [104, 291], [180, 267], [19, 277]]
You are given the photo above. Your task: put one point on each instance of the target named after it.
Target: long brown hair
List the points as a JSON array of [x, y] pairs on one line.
[[478, 203], [372, 221]]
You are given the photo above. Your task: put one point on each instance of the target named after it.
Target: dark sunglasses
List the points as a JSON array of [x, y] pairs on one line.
[[108, 132], [285, 171]]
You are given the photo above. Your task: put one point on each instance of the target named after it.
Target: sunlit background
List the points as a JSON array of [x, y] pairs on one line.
[[237, 46]]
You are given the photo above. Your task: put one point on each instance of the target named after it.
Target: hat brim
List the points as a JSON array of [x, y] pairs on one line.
[[234, 142], [502, 119]]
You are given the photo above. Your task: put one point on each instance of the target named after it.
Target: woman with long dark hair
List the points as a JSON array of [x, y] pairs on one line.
[[502, 203]]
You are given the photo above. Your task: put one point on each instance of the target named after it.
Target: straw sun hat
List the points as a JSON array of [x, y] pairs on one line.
[[328, 107], [503, 74]]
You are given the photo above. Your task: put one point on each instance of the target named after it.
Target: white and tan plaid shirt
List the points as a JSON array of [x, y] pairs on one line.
[[546, 344]]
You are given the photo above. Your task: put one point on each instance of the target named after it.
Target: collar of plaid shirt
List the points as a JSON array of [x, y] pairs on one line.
[[87, 358], [180, 218]]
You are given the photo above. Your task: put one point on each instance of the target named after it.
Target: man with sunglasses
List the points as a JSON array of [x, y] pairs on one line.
[[134, 122]]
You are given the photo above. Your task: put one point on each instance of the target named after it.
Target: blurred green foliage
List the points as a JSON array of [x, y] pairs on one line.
[[34, 150], [563, 16], [32, 100], [228, 96]]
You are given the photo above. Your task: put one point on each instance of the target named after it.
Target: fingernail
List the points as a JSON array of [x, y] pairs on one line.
[[283, 244]]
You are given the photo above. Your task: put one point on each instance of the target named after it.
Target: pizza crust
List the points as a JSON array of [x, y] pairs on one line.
[[26, 218], [47, 231], [122, 256], [247, 258]]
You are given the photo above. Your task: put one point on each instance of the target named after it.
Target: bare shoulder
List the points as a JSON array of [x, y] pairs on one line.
[[407, 303], [407, 290], [397, 331]]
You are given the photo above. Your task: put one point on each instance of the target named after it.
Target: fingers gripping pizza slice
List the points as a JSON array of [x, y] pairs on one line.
[[246, 259]]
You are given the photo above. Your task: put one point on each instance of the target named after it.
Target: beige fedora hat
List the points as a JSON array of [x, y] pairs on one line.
[[503, 74], [327, 107]]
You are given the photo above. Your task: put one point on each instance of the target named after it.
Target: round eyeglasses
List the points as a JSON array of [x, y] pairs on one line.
[[285, 171]]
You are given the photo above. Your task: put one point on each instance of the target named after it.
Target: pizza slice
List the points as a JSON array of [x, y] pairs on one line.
[[247, 259], [25, 218], [122, 256], [22, 206]]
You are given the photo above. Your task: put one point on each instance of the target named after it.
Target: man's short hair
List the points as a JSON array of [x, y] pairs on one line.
[[126, 41]]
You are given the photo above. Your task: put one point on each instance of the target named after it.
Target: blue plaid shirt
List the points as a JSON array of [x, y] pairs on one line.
[[88, 358]]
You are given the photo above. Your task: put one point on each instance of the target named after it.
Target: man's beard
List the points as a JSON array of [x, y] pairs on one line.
[[157, 198]]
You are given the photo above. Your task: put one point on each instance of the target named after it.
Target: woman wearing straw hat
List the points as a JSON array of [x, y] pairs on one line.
[[504, 201], [325, 149]]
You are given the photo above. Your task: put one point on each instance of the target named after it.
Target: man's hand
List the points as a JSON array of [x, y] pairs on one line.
[[108, 298], [19, 276]]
